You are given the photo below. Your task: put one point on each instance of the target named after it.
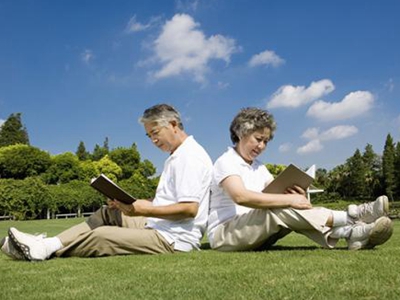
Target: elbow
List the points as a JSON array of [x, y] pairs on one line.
[[239, 199]]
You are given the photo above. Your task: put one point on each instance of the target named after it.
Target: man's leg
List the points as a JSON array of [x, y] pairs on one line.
[[104, 216], [112, 240]]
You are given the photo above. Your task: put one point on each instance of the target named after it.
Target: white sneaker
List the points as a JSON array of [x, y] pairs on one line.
[[7, 247], [367, 236], [30, 246], [371, 211]]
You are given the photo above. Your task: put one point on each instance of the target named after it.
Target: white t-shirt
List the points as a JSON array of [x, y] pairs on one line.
[[222, 208], [186, 177]]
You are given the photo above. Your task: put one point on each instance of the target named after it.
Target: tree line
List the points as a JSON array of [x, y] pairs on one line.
[[35, 184], [364, 176]]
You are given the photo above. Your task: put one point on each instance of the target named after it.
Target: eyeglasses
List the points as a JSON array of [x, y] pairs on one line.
[[155, 132]]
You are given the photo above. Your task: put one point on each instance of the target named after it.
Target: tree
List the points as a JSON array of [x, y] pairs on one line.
[[24, 199], [81, 152], [64, 168], [127, 158], [21, 161], [397, 170], [372, 171], [388, 172], [356, 180], [274, 169], [109, 168], [13, 132]]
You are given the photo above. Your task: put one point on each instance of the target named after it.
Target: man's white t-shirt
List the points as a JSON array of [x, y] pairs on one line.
[[255, 177], [186, 177]]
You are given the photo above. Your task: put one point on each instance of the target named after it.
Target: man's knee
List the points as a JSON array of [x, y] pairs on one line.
[[105, 216]]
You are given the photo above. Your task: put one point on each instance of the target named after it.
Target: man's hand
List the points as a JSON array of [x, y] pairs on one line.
[[138, 208]]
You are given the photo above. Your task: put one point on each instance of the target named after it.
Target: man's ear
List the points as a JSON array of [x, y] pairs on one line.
[[173, 123]]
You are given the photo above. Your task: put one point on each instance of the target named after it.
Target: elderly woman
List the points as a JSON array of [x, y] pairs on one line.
[[242, 217]]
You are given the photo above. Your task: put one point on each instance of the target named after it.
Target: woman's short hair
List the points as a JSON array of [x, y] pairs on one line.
[[249, 120], [162, 114]]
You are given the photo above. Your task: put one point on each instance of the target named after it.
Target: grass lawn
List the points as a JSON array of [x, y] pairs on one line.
[[294, 269]]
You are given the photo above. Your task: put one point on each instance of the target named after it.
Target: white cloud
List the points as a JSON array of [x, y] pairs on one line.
[[2, 122], [311, 147], [310, 133], [295, 96], [187, 5], [338, 133], [183, 48], [285, 147], [334, 133], [222, 85], [353, 105], [390, 85], [87, 56], [135, 26], [266, 58]]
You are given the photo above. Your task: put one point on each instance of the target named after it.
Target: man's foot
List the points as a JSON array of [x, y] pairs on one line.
[[31, 247], [371, 211], [8, 249], [367, 236]]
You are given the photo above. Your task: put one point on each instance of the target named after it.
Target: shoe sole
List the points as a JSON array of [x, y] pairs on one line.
[[385, 205], [381, 232], [23, 249]]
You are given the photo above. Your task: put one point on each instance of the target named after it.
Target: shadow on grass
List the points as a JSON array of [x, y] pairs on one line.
[[206, 246]]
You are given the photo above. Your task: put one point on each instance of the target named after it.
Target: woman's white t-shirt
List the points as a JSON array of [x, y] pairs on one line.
[[255, 177]]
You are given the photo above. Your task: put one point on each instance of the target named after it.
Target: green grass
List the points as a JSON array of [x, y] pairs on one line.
[[294, 269]]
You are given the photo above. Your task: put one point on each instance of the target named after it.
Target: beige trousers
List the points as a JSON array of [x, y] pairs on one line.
[[260, 228], [130, 237]]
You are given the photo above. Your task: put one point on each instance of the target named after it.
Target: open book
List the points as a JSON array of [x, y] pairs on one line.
[[289, 177], [109, 189]]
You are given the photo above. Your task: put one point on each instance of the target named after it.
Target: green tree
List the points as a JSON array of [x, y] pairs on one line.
[[64, 168], [13, 132], [388, 172], [372, 171], [81, 152], [140, 186], [109, 168], [275, 169], [127, 158], [397, 170], [21, 161], [146, 168], [24, 199], [88, 170], [356, 180], [337, 179]]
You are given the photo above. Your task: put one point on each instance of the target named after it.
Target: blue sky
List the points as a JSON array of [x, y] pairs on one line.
[[86, 70]]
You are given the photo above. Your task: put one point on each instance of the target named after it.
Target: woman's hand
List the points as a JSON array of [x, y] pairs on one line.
[[299, 199]]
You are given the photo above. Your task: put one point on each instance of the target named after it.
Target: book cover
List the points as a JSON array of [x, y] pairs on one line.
[[289, 177], [108, 188]]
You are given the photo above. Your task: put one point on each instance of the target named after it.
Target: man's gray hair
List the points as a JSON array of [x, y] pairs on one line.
[[162, 114], [250, 120]]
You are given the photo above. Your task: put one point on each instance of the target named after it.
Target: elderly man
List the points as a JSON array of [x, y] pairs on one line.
[[173, 221]]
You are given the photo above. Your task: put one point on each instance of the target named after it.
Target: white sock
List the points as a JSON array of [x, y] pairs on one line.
[[53, 244], [339, 218], [341, 232]]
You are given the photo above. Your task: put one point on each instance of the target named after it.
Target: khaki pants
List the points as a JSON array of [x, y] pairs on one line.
[[108, 232], [260, 228]]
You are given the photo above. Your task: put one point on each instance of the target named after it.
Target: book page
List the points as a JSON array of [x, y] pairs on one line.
[[289, 177], [109, 189]]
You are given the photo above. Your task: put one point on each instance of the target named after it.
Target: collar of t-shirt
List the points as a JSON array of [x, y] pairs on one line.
[[182, 146], [241, 160]]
